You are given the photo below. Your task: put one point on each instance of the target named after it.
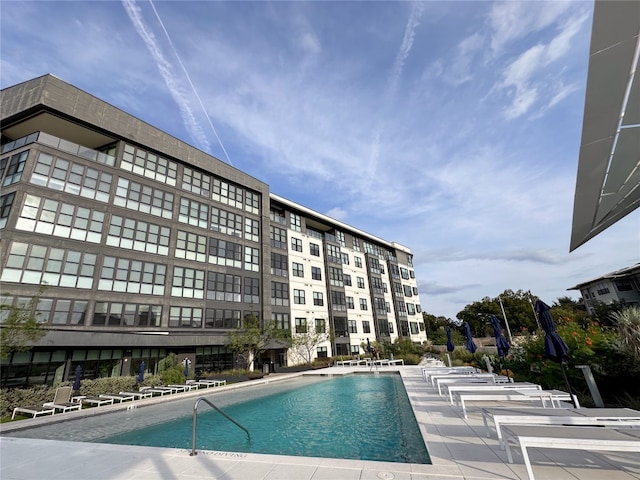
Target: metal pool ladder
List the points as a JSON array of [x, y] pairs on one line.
[[195, 422]]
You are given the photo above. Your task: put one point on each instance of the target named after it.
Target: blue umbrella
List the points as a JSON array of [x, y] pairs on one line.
[[186, 367], [470, 345], [555, 347], [141, 373], [368, 346], [450, 346], [76, 383], [501, 343]]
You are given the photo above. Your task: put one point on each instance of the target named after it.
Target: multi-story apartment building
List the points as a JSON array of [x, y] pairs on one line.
[[136, 245], [622, 286]]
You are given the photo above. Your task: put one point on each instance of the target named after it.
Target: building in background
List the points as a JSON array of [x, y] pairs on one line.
[[621, 286], [146, 246]]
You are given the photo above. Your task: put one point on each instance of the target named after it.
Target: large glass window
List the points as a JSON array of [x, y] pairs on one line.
[[298, 297], [278, 237], [187, 283], [138, 235], [227, 193], [321, 326], [333, 254], [350, 303], [279, 294], [318, 299], [132, 276], [226, 222], [251, 290], [360, 281], [222, 318], [296, 244], [6, 202], [127, 314], [251, 259], [363, 304], [279, 265], [251, 229], [346, 278], [144, 199], [297, 269], [193, 213], [225, 253], [35, 264], [252, 202], [295, 222], [149, 164], [338, 301], [73, 178], [191, 246], [314, 249], [316, 273], [335, 277], [11, 168], [280, 320], [196, 182], [187, 317], [301, 325], [353, 327], [224, 287]]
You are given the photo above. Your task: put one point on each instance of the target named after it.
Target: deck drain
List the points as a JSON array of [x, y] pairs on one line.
[[386, 475]]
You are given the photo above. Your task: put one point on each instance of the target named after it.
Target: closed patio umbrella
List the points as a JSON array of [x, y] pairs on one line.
[[186, 367], [555, 348], [141, 373], [501, 343], [77, 381], [471, 346], [450, 346]]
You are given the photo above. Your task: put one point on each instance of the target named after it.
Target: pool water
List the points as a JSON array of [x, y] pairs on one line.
[[365, 417]]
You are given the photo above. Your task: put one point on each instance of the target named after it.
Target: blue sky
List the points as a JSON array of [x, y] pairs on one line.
[[450, 127]]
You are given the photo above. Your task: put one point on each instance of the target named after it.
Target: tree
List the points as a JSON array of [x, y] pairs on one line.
[[254, 339], [304, 344], [627, 321], [20, 329], [170, 370]]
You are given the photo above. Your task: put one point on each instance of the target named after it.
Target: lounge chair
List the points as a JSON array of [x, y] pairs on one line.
[[574, 438], [138, 395], [120, 397], [554, 397], [92, 400], [488, 387], [62, 401], [33, 410]]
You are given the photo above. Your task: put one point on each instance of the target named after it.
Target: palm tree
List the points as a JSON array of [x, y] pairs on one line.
[[627, 320]]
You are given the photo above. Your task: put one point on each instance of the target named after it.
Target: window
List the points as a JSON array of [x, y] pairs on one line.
[[251, 290], [316, 273], [277, 216], [418, 308], [322, 352], [314, 249], [374, 265], [412, 274], [345, 259], [252, 202], [623, 285], [144, 199], [390, 327], [360, 281], [333, 254], [353, 327], [224, 287], [222, 318], [376, 285], [298, 269], [295, 222], [408, 291], [126, 314], [226, 222], [279, 294], [363, 304], [6, 202], [226, 193], [358, 262], [350, 304], [187, 283], [132, 276], [335, 277], [188, 317], [278, 237], [355, 349], [395, 272], [145, 237], [301, 325], [340, 238], [279, 265], [414, 328], [411, 309], [36, 265], [356, 244], [321, 325], [296, 244], [222, 252], [415, 290], [76, 179], [281, 320], [251, 229], [366, 326], [397, 288], [388, 307], [318, 299], [404, 273], [298, 297], [150, 165], [251, 259], [11, 168], [338, 300], [191, 246], [346, 278], [380, 306], [195, 182]]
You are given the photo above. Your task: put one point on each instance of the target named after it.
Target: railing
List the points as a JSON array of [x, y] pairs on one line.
[[195, 421]]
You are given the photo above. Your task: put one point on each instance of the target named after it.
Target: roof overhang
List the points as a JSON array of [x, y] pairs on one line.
[[608, 180]]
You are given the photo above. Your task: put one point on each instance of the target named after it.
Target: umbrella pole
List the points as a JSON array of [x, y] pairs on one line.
[[566, 381]]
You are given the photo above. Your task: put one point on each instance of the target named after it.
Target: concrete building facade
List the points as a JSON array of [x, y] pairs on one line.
[[137, 245], [621, 286]]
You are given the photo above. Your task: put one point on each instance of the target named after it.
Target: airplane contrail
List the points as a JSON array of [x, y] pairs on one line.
[[166, 70]]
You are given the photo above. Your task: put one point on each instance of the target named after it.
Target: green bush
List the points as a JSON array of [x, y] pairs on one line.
[[171, 371]]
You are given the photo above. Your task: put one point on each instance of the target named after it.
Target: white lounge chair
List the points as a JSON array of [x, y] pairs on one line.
[[138, 395], [33, 410], [573, 438], [120, 397], [62, 401], [488, 387], [92, 400], [553, 397]]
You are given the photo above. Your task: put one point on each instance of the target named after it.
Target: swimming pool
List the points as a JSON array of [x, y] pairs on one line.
[[365, 417]]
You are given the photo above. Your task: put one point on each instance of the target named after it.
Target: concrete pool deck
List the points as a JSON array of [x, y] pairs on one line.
[[459, 449]]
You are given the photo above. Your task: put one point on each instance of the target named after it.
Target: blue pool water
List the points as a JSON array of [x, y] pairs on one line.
[[362, 417]]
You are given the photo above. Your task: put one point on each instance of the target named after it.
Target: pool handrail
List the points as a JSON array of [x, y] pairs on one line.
[[195, 421]]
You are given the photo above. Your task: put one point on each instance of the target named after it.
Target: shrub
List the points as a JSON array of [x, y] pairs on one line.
[[170, 370]]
